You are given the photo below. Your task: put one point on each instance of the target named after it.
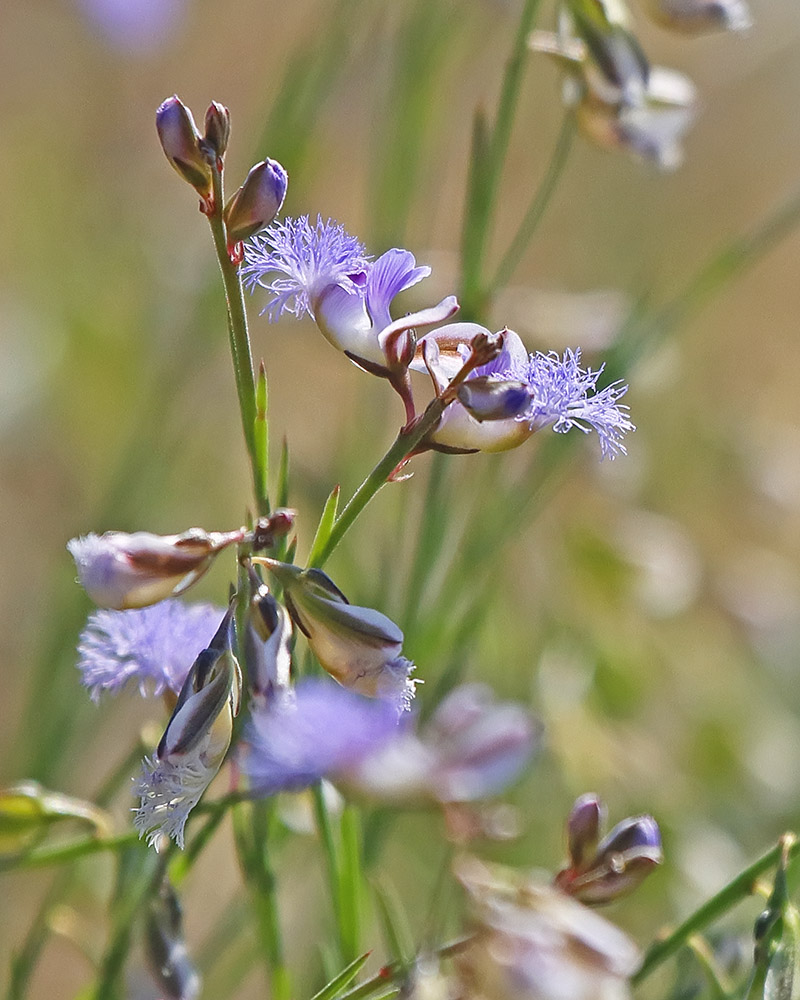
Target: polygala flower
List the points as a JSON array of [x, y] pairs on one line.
[[119, 570], [153, 647], [695, 17], [471, 749], [532, 942], [359, 647], [194, 744], [505, 401], [600, 871], [647, 121], [323, 271]]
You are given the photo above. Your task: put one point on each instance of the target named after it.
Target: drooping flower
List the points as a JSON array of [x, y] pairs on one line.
[[600, 871], [533, 942], [538, 390], [472, 748], [121, 571], [694, 17], [326, 273], [648, 120], [153, 647], [359, 647], [194, 744]]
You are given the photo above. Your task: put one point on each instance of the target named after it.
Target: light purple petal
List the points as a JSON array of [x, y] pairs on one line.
[[153, 646], [389, 275], [327, 730]]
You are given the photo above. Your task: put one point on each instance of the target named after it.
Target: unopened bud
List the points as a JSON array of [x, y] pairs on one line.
[[170, 962], [269, 529], [121, 571], [695, 17], [583, 828], [218, 128], [267, 640], [257, 201], [620, 861], [359, 647], [182, 144], [487, 398]]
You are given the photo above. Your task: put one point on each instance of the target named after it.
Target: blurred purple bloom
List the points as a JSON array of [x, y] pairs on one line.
[[153, 646], [324, 732], [136, 25], [472, 748], [310, 257]]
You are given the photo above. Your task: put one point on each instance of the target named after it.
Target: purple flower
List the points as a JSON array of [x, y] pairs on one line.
[[136, 25], [560, 393], [564, 396], [322, 733], [329, 276], [472, 748], [154, 646]]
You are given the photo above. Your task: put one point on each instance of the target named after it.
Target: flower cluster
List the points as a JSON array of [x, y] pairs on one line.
[[324, 272]]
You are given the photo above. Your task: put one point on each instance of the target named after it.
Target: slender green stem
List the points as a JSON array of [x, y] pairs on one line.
[[395, 971], [537, 207], [404, 445], [240, 346], [734, 892], [488, 158], [325, 830]]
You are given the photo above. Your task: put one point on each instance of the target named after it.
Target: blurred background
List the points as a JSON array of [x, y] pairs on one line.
[[647, 609]]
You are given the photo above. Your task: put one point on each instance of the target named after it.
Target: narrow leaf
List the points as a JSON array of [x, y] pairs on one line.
[[345, 977], [325, 526], [396, 932]]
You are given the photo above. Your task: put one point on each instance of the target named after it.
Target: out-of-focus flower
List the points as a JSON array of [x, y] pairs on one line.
[[326, 273], [359, 647], [153, 647], [650, 128], [121, 571], [136, 26], [695, 17], [165, 946], [182, 145], [600, 872], [472, 748], [267, 641], [323, 732], [194, 743], [534, 943], [542, 390], [257, 202]]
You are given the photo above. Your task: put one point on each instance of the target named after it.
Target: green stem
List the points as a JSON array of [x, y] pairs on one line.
[[735, 891], [240, 346], [404, 445], [537, 207], [485, 176], [325, 831]]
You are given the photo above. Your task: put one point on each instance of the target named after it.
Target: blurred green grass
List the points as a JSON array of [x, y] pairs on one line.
[[649, 611]]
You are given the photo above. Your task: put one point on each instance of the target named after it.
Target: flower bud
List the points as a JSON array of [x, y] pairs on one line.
[[257, 201], [169, 959], [487, 398], [617, 864], [218, 128], [267, 639], [695, 17], [182, 145], [583, 828], [359, 647], [194, 743], [121, 571]]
